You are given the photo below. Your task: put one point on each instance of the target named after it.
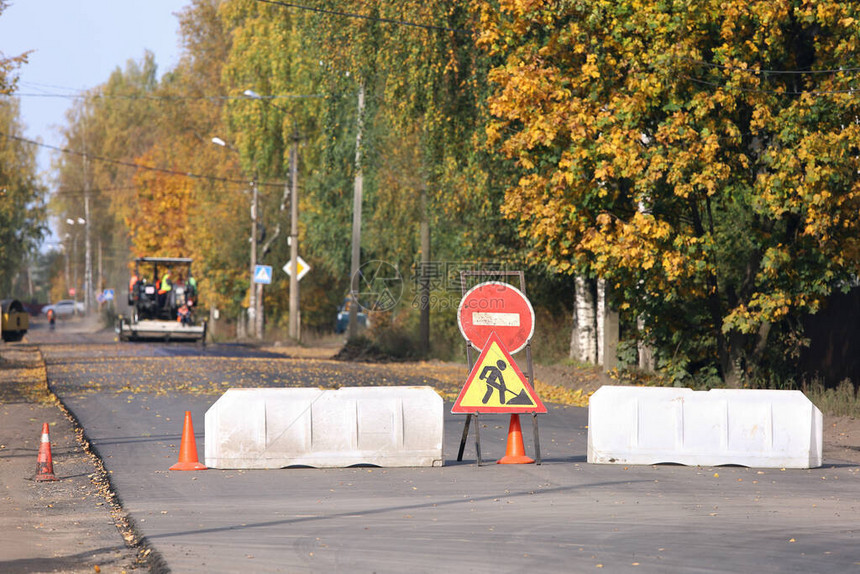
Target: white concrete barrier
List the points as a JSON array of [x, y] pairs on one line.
[[275, 428], [756, 428]]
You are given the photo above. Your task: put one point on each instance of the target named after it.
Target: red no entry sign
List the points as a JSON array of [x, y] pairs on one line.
[[495, 307]]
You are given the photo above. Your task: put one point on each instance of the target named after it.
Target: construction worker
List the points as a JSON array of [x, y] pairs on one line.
[[192, 289], [183, 315], [132, 283], [164, 288]]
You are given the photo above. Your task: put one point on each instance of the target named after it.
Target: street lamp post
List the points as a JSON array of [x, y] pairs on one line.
[[294, 330], [72, 223], [254, 317], [294, 324]]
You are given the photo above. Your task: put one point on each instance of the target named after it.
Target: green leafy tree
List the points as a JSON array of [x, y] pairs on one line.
[[22, 198], [22, 210]]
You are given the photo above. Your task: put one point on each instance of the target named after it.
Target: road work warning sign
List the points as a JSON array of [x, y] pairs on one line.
[[496, 385]]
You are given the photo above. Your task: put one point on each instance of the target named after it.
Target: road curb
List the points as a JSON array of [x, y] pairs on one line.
[[146, 555]]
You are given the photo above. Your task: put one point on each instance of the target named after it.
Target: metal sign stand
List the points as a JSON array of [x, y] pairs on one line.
[[529, 374]]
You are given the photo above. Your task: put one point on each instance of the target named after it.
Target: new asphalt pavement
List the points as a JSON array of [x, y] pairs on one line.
[[563, 515]]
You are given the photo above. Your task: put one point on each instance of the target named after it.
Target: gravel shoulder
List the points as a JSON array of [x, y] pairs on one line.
[[72, 525]]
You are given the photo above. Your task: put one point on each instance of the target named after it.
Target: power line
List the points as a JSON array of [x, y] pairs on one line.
[[159, 98], [362, 16], [68, 192], [138, 165], [849, 91], [766, 72]]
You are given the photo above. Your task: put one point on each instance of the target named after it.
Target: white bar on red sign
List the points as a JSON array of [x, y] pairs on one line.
[[496, 319]]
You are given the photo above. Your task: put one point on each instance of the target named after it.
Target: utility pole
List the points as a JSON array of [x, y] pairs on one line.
[[88, 258], [424, 298], [252, 299], [68, 276], [76, 264], [356, 221], [255, 312], [295, 321]]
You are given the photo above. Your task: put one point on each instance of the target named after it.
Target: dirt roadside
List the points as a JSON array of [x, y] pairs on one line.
[[74, 525]]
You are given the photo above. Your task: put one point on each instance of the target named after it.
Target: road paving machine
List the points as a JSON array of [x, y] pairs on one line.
[[162, 294], [14, 320]]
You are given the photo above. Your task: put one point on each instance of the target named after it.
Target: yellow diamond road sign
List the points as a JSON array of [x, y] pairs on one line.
[[301, 264], [496, 385]]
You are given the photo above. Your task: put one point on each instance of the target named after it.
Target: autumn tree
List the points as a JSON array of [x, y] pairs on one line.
[[107, 128], [22, 195], [213, 226], [9, 64], [702, 157], [23, 216], [140, 148]]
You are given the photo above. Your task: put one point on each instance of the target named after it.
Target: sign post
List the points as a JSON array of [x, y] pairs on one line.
[[497, 319]]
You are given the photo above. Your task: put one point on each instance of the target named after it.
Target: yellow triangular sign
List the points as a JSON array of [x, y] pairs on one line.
[[496, 385]]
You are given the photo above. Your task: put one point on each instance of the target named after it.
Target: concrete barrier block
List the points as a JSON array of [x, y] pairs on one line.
[[276, 428], [652, 425]]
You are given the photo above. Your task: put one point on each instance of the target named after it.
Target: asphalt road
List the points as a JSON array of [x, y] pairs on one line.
[[561, 516]]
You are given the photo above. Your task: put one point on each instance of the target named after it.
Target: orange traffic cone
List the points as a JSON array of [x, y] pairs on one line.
[[516, 451], [188, 448], [45, 471]]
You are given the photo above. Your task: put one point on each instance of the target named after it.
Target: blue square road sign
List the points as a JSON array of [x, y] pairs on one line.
[[263, 274]]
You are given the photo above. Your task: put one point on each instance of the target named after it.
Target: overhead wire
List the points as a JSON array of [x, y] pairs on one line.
[[774, 92], [772, 73], [163, 98], [141, 166], [766, 71], [68, 192]]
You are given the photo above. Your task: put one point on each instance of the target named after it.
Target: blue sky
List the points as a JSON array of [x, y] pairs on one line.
[[76, 45]]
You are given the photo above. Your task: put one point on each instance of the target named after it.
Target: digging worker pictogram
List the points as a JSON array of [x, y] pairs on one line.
[[492, 375]]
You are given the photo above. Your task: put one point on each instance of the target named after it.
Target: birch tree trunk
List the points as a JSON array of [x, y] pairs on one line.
[[583, 339]]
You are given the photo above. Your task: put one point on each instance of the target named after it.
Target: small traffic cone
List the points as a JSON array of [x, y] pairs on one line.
[[188, 448], [516, 451], [45, 470]]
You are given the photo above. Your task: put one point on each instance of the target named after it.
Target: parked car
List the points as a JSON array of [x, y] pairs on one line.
[[65, 308], [34, 308], [341, 324]]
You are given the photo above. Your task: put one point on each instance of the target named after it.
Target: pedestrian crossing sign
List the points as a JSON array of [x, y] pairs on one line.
[[263, 274], [496, 385]]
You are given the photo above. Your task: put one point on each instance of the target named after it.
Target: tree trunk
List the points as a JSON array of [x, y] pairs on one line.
[[724, 352], [583, 340], [607, 328], [646, 353]]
